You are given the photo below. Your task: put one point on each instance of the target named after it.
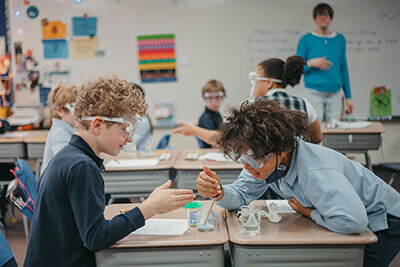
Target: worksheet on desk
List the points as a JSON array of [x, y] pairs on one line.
[[282, 205], [163, 227], [132, 162]]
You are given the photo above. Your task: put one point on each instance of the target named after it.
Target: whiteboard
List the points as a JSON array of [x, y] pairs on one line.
[[224, 40]]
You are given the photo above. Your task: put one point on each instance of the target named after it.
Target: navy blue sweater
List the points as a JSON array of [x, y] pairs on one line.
[[68, 225], [209, 120]]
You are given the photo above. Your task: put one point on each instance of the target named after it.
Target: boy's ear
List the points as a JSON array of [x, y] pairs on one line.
[[96, 125], [60, 112]]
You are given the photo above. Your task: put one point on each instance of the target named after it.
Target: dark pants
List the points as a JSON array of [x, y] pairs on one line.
[[5, 175], [383, 252], [11, 263]]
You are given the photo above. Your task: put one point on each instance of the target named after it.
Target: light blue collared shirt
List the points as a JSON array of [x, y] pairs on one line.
[[346, 196], [59, 135]]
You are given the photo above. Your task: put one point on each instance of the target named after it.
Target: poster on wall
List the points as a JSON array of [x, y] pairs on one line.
[[84, 47], [157, 62], [55, 49], [53, 30], [84, 26]]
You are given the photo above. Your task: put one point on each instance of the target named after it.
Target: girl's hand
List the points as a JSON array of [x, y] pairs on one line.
[[300, 208]]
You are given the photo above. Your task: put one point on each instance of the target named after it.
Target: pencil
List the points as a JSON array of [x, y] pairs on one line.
[[209, 211], [224, 213]]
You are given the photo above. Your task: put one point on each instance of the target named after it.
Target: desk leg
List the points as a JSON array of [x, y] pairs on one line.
[[37, 168], [368, 161]]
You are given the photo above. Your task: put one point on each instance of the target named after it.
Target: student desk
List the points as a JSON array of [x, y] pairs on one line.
[[35, 143], [294, 241], [193, 248], [187, 171], [12, 146], [354, 140], [122, 182]]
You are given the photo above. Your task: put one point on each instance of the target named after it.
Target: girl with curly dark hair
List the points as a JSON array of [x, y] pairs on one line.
[[337, 193]]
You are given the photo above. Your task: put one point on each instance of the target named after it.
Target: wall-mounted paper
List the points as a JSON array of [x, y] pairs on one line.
[[84, 47], [84, 26], [55, 49], [54, 30], [157, 61]]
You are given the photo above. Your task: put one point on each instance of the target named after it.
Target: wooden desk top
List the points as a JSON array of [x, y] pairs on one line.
[[192, 237], [184, 164], [33, 136], [375, 127], [162, 164], [39, 137], [293, 229]]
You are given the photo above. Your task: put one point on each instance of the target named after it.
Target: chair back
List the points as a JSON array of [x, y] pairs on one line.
[[164, 141], [22, 191]]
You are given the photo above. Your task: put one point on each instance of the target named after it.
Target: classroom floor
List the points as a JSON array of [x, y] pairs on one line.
[[18, 243]]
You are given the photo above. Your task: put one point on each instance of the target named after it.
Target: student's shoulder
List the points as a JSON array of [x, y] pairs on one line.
[[314, 158], [340, 36], [306, 36], [72, 156]]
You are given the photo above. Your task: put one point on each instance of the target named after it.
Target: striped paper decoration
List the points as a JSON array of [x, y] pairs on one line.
[[157, 61]]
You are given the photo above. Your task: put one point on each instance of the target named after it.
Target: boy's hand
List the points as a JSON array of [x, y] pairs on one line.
[[163, 200], [185, 128], [209, 184], [300, 208]]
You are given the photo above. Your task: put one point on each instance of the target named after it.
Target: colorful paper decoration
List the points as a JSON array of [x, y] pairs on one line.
[[156, 58], [53, 30]]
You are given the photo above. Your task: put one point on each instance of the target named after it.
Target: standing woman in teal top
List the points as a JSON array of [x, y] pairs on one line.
[[326, 70]]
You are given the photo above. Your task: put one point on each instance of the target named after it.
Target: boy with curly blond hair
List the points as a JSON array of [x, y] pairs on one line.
[[68, 225], [61, 102]]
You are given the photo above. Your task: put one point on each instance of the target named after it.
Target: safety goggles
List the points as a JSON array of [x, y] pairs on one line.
[[218, 97], [253, 77], [249, 159], [132, 123], [70, 107]]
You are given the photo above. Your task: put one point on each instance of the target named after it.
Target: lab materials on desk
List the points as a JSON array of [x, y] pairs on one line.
[[352, 124], [164, 156], [132, 162], [282, 205], [163, 227], [191, 156], [213, 156]]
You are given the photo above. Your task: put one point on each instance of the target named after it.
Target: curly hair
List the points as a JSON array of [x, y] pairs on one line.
[[264, 127], [108, 96], [61, 95], [289, 72]]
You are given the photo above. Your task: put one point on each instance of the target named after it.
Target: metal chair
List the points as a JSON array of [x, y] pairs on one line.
[[393, 167]]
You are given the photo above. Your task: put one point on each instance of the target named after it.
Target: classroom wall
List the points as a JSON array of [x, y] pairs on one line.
[[224, 40]]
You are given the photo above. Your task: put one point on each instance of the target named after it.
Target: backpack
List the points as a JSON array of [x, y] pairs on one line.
[[22, 191]]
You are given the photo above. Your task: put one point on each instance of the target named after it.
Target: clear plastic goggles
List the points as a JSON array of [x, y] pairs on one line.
[[252, 162], [132, 123], [208, 97], [253, 77], [70, 107]]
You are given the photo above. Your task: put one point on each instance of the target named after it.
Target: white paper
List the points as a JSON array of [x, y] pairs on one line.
[[132, 162], [213, 156], [163, 227], [282, 205], [351, 125], [15, 134]]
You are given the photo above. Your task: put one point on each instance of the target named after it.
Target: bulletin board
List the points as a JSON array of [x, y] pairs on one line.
[[216, 39]]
